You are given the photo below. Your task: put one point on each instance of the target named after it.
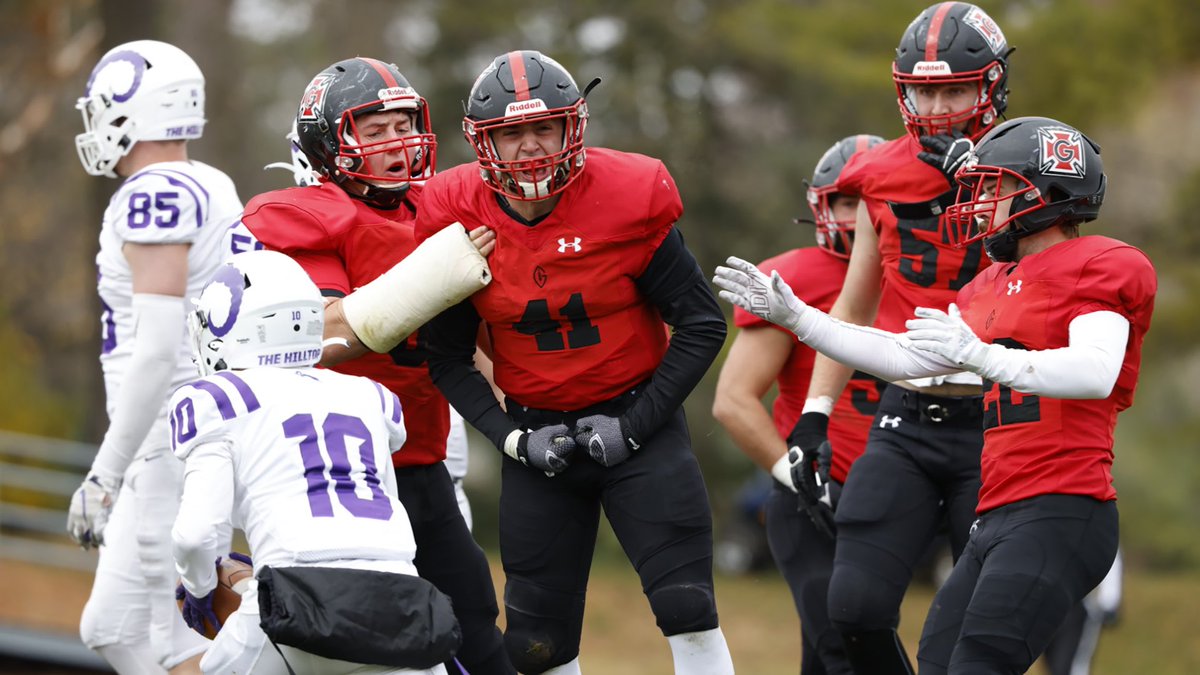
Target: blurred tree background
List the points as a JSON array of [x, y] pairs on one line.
[[739, 98]]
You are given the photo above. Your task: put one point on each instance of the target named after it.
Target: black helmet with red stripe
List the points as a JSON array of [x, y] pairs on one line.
[[328, 127], [834, 234], [517, 88], [953, 43]]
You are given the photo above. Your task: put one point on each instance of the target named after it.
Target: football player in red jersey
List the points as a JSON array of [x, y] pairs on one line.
[[366, 131], [589, 272], [1055, 329], [762, 354], [920, 468]]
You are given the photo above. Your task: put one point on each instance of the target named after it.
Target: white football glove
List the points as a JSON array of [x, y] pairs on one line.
[[90, 507], [948, 336], [768, 298]]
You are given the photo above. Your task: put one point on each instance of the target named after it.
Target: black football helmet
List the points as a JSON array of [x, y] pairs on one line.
[[329, 135], [833, 234], [948, 43], [516, 88], [1059, 179]]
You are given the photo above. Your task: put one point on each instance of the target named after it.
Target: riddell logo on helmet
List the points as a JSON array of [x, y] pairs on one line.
[[525, 107], [932, 68], [396, 92]]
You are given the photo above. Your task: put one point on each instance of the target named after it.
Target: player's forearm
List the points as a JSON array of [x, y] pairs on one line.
[[158, 338], [202, 528], [749, 425], [341, 344], [682, 295], [885, 355], [1085, 369], [452, 368]]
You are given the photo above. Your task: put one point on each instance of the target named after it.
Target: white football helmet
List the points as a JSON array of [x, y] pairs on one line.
[[140, 91], [259, 309], [302, 170]]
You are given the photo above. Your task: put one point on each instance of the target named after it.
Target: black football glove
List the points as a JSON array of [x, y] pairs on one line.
[[808, 441], [946, 153], [607, 439], [549, 448]]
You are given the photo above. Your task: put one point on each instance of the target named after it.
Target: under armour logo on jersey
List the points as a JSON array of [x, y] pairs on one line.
[[974, 526], [886, 422], [1014, 286], [563, 245]]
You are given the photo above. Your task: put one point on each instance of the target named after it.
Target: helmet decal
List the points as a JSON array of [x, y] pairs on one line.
[[313, 103], [1061, 152], [988, 29], [112, 71], [228, 279]]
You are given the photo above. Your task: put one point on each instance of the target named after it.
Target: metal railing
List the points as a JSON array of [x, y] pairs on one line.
[[37, 478]]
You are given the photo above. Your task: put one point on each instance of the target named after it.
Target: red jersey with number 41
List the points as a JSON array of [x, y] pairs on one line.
[[568, 327], [920, 267], [1035, 445], [343, 244]]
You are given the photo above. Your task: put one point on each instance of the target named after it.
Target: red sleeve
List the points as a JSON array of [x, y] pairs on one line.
[[434, 212], [285, 227], [1120, 280]]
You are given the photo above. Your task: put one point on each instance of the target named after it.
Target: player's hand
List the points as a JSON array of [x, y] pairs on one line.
[[946, 153], [812, 456], [549, 448], [484, 239], [198, 610], [607, 439], [947, 335], [90, 507], [768, 298]]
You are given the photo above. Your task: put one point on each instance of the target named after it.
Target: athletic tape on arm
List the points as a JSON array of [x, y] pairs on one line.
[[441, 272]]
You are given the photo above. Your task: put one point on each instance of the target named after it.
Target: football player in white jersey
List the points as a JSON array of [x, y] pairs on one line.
[[159, 242], [292, 455]]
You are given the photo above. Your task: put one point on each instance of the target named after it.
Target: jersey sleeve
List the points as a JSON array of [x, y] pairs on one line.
[[199, 413], [1120, 280], [393, 415], [160, 206], [286, 227], [434, 212]]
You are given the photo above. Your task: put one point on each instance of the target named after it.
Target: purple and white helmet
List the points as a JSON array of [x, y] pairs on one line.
[[259, 309], [140, 91]]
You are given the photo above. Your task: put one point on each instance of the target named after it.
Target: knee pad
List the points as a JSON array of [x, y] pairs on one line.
[[862, 601], [684, 608], [543, 627]]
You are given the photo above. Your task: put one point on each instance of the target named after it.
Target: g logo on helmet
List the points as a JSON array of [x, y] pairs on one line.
[[313, 101], [1061, 152]]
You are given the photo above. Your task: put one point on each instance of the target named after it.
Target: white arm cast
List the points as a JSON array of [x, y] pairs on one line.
[[883, 354], [1086, 368], [202, 530], [158, 332], [444, 270]]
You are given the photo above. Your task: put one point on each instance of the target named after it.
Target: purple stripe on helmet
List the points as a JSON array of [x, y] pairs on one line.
[[244, 389], [200, 208], [139, 68], [231, 277], [224, 404]]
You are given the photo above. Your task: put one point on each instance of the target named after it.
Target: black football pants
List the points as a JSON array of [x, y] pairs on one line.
[[805, 558], [658, 507], [920, 469], [1026, 565]]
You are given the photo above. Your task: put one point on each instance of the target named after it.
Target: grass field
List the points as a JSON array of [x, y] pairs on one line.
[[1157, 633]]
